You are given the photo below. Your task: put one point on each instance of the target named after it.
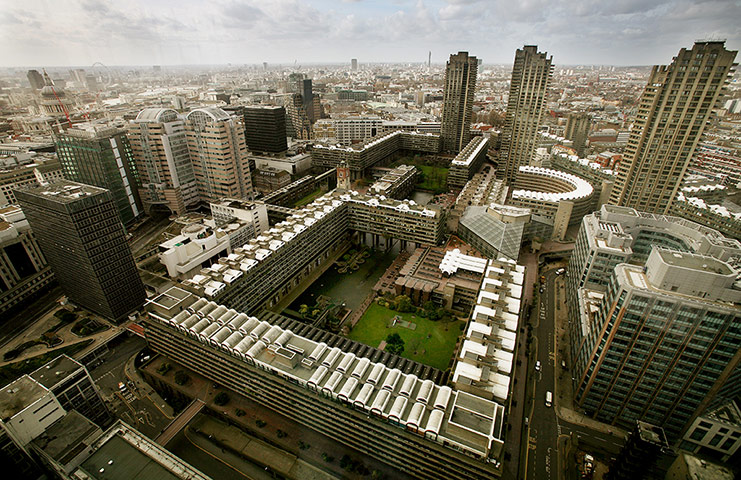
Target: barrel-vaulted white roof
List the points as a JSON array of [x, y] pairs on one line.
[[214, 113], [438, 413], [157, 115]]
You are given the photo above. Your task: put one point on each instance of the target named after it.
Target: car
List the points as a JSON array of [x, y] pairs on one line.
[[548, 398], [537, 366], [542, 289], [527, 421], [560, 271], [121, 386]]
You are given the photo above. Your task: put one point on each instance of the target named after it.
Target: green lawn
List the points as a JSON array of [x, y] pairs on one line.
[[435, 351], [435, 178], [308, 198]]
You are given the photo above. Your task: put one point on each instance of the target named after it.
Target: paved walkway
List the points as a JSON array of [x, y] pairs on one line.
[[180, 422]]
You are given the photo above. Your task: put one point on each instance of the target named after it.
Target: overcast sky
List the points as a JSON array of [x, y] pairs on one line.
[[170, 32]]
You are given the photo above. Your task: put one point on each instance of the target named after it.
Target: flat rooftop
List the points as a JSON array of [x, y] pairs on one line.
[[68, 437], [18, 395], [55, 371], [65, 191], [123, 454], [693, 261]]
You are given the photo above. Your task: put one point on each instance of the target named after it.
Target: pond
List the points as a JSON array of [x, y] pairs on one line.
[[349, 288]]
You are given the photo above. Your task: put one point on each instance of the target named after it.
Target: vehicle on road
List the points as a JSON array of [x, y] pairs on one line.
[[542, 289], [548, 398], [560, 271], [537, 366], [542, 279], [527, 421], [121, 386]]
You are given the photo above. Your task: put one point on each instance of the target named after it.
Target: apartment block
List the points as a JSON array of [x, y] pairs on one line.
[[364, 155], [427, 430], [485, 362], [673, 111], [467, 162], [267, 268], [577, 130], [528, 90], [458, 93], [396, 183]]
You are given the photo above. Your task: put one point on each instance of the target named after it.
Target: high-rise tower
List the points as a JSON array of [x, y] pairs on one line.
[[354, 64], [160, 148], [674, 108], [577, 130], [528, 90], [81, 236], [35, 79], [460, 83], [101, 155]]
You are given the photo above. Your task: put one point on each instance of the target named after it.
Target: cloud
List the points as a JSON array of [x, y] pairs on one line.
[[251, 31]]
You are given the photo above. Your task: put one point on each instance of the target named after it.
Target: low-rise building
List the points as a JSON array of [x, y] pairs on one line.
[[496, 230], [467, 162], [268, 179], [717, 430], [396, 183]]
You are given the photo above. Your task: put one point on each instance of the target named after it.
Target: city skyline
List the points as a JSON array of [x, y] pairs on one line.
[[288, 31]]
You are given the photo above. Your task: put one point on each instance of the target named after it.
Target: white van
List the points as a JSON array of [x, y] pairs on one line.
[[548, 398]]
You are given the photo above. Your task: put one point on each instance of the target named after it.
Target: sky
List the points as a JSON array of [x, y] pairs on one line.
[[48, 33]]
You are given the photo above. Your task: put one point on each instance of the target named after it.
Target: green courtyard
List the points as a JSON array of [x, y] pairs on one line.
[[431, 342]]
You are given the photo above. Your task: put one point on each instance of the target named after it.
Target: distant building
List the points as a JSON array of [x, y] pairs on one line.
[[298, 124], [219, 154], [101, 156], [35, 79], [577, 130], [354, 64], [269, 179], [674, 109], [53, 100], [24, 271], [458, 91], [528, 89], [81, 236], [160, 148], [265, 129]]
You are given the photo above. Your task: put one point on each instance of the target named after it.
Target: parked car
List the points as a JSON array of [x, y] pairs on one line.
[[537, 366]]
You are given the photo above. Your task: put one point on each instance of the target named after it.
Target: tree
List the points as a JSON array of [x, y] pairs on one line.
[[403, 303], [181, 378], [221, 399], [394, 344], [303, 309], [345, 461]]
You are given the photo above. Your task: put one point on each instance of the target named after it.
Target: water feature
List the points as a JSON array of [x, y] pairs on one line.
[[349, 288]]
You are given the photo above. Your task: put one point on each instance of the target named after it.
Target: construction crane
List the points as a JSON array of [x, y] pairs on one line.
[[64, 109]]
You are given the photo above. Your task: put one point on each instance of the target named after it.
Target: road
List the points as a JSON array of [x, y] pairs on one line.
[[129, 405], [544, 461], [206, 462], [544, 428]]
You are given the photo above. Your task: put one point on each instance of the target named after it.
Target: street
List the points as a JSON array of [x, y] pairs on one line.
[[549, 432], [128, 404]]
